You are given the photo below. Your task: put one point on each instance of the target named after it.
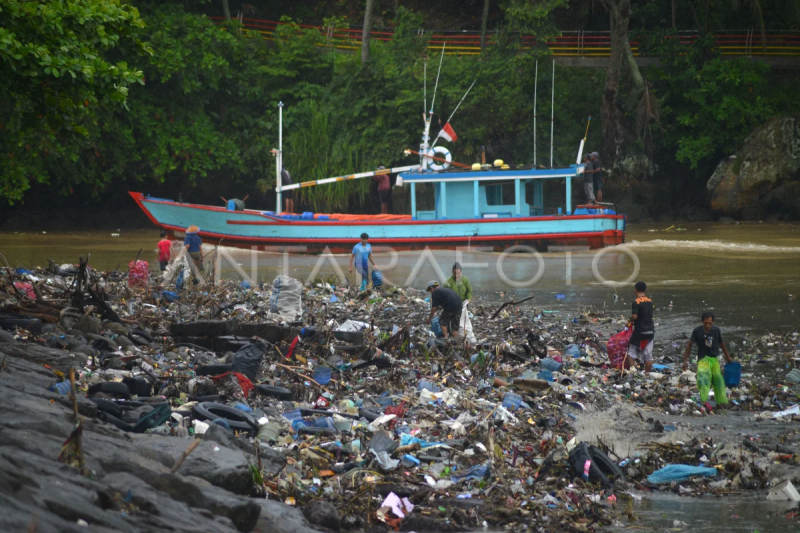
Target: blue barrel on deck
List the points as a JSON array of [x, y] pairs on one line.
[[231, 205], [732, 374]]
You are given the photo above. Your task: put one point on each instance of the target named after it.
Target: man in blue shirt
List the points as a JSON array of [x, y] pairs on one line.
[[364, 252], [194, 246]]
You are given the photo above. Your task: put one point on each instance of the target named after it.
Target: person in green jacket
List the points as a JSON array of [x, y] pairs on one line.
[[459, 283]]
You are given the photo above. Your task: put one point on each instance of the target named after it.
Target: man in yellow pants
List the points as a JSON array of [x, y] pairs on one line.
[[708, 338]]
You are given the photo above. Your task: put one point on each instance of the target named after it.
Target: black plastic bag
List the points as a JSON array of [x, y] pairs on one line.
[[247, 360]]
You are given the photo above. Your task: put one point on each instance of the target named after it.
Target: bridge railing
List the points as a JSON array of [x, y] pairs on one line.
[[747, 42]]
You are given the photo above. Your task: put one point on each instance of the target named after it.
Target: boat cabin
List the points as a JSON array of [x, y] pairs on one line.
[[488, 193]]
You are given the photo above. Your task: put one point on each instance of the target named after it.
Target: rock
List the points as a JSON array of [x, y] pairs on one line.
[[322, 513], [89, 324], [277, 517], [195, 492], [226, 467], [225, 437], [6, 337], [763, 177]]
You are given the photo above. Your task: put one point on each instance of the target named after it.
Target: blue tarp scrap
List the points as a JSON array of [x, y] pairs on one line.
[[477, 473], [672, 473]]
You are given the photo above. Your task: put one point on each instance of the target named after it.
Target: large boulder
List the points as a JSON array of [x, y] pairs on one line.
[[762, 180]]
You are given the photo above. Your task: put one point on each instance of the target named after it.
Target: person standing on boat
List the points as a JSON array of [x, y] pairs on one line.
[[362, 256], [384, 190], [588, 179], [450, 303], [597, 174], [288, 196], [708, 338], [640, 348]]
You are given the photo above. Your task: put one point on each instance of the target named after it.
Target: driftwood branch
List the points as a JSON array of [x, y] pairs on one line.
[[512, 302]]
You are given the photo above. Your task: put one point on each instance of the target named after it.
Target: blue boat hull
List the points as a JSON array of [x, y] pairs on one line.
[[256, 229]]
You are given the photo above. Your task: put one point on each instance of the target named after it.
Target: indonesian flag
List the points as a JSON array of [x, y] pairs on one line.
[[448, 133]]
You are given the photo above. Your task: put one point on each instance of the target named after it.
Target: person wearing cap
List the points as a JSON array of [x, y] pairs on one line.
[[459, 283], [588, 179], [363, 250], [597, 176], [384, 189], [194, 246], [449, 302]]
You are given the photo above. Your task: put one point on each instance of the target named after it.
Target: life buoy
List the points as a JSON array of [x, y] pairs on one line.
[[444, 154]]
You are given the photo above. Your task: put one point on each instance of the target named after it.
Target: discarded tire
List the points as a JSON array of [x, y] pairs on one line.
[[212, 370], [107, 406], [281, 393], [138, 386], [236, 419], [113, 420], [140, 338], [116, 389], [34, 325], [605, 464]]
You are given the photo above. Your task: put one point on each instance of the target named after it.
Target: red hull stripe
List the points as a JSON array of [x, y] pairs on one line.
[[410, 240]]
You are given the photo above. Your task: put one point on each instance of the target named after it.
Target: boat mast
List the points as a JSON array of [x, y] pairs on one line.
[[456, 109], [423, 148], [279, 157], [552, 112], [535, 83]]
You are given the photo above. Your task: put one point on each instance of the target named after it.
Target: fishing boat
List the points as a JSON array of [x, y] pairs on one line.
[[485, 207]]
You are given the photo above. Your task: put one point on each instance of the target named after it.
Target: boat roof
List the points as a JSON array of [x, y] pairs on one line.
[[492, 175]]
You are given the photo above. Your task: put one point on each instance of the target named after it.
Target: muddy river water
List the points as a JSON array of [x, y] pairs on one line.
[[748, 274]]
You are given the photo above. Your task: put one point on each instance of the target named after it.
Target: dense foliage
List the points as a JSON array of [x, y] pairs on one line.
[[97, 98]]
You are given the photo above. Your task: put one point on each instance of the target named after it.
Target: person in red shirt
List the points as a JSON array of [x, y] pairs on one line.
[[164, 251], [384, 190]]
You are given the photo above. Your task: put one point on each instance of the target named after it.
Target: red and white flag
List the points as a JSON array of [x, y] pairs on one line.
[[448, 133]]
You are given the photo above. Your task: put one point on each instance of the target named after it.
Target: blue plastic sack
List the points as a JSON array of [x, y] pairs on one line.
[[512, 401], [573, 350], [436, 327], [179, 282], [477, 473], [732, 374], [63, 388], [679, 473], [551, 364], [545, 375], [377, 278]]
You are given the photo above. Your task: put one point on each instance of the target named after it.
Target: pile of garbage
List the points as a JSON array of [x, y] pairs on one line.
[[351, 408]]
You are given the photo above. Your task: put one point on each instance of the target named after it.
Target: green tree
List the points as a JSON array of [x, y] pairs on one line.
[[60, 68]]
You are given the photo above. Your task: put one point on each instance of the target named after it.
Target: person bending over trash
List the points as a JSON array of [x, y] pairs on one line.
[[450, 303], [641, 346], [194, 245], [459, 283], [364, 252], [708, 338]]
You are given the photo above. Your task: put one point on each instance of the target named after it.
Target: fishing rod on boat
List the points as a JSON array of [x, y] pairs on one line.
[[440, 159], [454, 111], [583, 141], [360, 175], [535, 83], [552, 112]]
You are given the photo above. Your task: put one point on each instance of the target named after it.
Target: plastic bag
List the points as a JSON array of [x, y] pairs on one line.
[[247, 360], [679, 473], [377, 278], [465, 324], [618, 347], [137, 273], [285, 299]]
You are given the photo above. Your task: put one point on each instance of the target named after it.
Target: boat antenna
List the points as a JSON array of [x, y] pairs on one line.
[[456, 109], [583, 141], [424, 89], [552, 112], [435, 87], [535, 83], [279, 158]]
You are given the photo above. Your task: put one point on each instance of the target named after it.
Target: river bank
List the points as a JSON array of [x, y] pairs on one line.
[[641, 421]]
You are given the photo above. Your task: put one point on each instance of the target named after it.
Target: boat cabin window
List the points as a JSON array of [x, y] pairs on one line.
[[501, 193]]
